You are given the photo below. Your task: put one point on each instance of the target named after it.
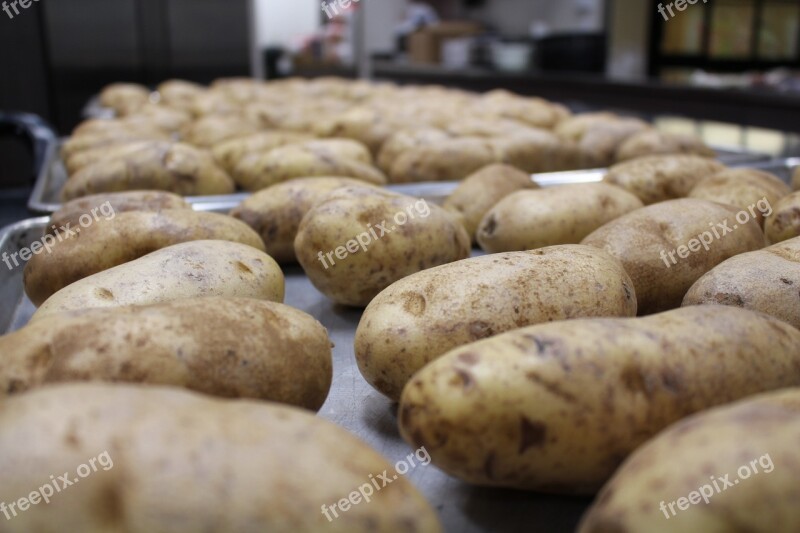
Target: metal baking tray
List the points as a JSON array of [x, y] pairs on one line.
[[45, 197], [354, 405]]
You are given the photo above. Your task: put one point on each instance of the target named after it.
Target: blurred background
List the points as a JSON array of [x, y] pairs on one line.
[[726, 69]]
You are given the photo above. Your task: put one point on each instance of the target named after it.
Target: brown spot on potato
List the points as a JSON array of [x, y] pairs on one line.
[[490, 226], [413, 303], [787, 281], [634, 380], [469, 358], [104, 294], [480, 330], [532, 434], [243, 268], [463, 378], [551, 387]]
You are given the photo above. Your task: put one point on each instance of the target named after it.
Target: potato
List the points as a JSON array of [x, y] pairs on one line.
[[526, 220], [166, 118], [115, 202], [276, 212], [117, 150], [405, 140], [330, 157], [703, 234], [480, 191], [652, 142], [784, 221], [743, 188], [421, 317], [536, 112], [261, 466], [767, 280], [573, 128], [362, 124], [357, 241], [211, 130], [731, 468], [556, 407], [796, 179], [232, 347], [124, 98], [658, 178], [449, 160], [119, 238], [600, 142], [173, 167], [179, 94], [80, 150], [186, 270], [229, 153], [533, 151]]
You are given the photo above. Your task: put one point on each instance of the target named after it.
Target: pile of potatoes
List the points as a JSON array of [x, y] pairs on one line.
[[248, 135], [598, 344]]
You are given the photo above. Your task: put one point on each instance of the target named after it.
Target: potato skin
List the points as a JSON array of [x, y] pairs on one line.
[[767, 280], [784, 222], [651, 142], [742, 188], [639, 238], [173, 167], [314, 158], [231, 347], [120, 202], [556, 407], [273, 466], [339, 218], [659, 178], [228, 153], [706, 446], [405, 140], [109, 242], [449, 160], [480, 191], [421, 317], [276, 212], [186, 270], [526, 220]]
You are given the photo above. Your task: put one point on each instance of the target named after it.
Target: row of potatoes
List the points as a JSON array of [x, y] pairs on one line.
[[525, 368], [248, 135]]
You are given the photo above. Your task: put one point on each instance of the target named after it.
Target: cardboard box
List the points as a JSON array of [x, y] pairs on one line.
[[425, 45]]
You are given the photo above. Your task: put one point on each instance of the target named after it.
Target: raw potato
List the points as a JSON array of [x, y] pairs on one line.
[[261, 466], [556, 407], [405, 140], [211, 130], [658, 178], [421, 317], [330, 157], [450, 160], [357, 241], [124, 98], [231, 347], [276, 212], [752, 438], [691, 230], [784, 222], [179, 94], [84, 158], [166, 118], [743, 188], [534, 151], [166, 166], [115, 202], [767, 281], [652, 142], [117, 239], [229, 153], [186, 270], [479, 192], [526, 220]]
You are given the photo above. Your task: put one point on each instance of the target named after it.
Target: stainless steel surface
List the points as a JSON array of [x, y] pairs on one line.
[[354, 405], [45, 197]]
